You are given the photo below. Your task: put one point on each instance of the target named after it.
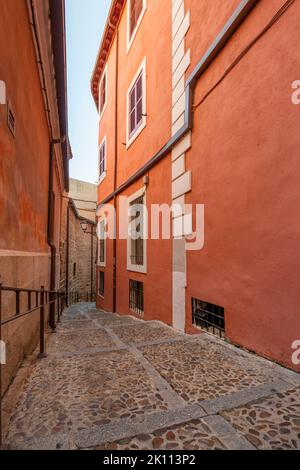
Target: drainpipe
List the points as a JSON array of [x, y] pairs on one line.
[[50, 231], [115, 177], [92, 262], [67, 254]]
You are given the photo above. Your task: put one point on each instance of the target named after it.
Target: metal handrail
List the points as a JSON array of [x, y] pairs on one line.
[[43, 298]]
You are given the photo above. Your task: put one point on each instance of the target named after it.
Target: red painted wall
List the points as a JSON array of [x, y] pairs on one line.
[[155, 24], [244, 162], [245, 166], [24, 159]]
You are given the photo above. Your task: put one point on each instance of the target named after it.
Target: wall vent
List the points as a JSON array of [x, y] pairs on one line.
[[209, 317]]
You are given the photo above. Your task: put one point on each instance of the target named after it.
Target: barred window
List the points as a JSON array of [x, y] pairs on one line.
[[136, 297], [209, 317]]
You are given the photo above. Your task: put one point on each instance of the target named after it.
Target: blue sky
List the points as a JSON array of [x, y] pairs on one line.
[[85, 23]]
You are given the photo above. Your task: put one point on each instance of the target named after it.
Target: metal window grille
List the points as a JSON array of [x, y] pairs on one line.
[[136, 7], [136, 297], [209, 317], [137, 244], [101, 283], [102, 159]]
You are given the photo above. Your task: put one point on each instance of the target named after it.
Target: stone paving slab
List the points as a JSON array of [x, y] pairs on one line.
[[116, 382], [143, 332], [270, 423], [72, 325], [66, 395], [197, 372], [73, 342]]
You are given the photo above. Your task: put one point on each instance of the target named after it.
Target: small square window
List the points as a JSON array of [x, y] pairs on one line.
[[209, 317]]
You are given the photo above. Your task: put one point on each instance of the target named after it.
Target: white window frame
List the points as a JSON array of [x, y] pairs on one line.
[[104, 74], [103, 176], [133, 267], [102, 264], [130, 39], [131, 138]]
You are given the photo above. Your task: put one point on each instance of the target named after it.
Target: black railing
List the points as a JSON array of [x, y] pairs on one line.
[[34, 300]]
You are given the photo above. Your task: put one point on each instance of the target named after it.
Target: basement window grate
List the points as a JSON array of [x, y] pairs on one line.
[[136, 297], [101, 284], [209, 317], [11, 122]]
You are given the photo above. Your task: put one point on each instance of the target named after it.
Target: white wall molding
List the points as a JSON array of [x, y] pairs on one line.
[[181, 179]]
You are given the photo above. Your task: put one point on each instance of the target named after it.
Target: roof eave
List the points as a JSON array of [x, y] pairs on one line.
[[112, 22]]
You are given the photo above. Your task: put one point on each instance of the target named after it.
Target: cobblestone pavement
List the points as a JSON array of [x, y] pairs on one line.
[[116, 382]]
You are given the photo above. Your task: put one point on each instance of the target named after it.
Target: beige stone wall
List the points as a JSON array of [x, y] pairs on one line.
[[29, 270], [81, 191]]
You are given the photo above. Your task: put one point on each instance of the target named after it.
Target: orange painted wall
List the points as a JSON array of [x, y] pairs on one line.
[[158, 280], [244, 162], [24, 160], [155, 24], [245, 166]]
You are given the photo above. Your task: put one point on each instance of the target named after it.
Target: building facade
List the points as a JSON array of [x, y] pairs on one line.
[[34, 161], [195, 111], [79, 241]]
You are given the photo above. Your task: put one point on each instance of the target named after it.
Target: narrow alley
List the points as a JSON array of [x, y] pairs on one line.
[[117, 382]]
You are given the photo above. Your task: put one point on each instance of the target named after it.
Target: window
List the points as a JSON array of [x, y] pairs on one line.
[[11, 120], [74, 269], [102, 161], [101, 284], [136, 244], [103, 93], [102, 243], [136, 297], [136, 105], [209, 317], [135, 13]]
